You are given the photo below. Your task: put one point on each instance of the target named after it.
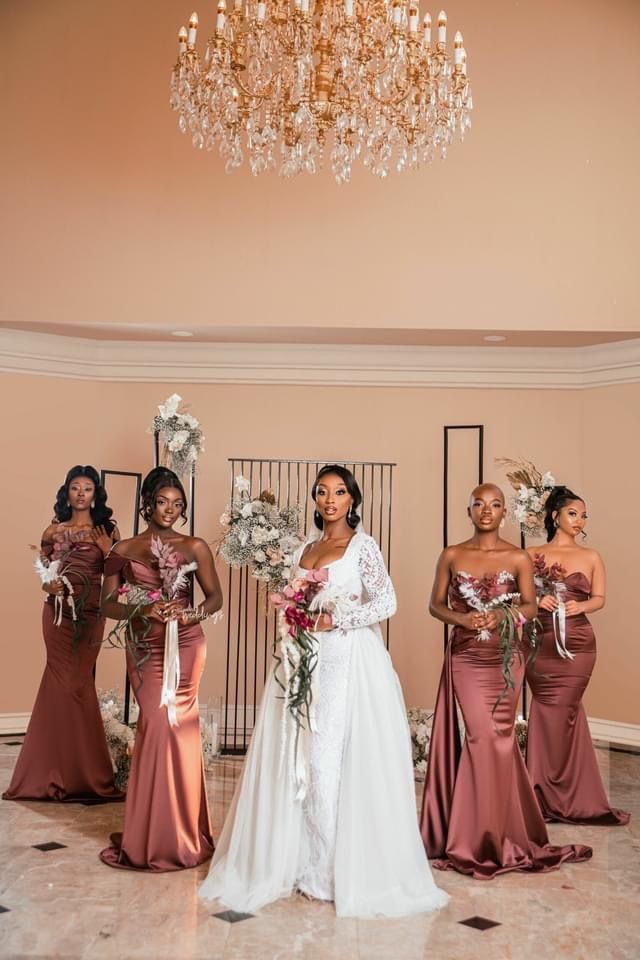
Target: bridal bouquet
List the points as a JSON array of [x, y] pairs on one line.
[[260, 535], [298, 648], [532, 490], [132, 631], [484, 595], [59, 566]]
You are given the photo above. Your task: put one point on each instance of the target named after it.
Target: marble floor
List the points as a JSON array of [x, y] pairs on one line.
[[63, 902]]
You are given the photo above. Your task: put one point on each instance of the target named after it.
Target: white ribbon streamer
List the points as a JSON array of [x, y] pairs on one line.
[[170, 672], [559, 620]]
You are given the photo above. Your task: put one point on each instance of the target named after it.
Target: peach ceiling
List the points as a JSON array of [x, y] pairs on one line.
[[110, 217]]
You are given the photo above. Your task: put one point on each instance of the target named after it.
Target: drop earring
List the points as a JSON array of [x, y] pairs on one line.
[[93, 504], [317, 516]]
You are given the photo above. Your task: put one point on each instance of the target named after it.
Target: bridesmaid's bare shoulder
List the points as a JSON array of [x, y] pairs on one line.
[[50, 532]]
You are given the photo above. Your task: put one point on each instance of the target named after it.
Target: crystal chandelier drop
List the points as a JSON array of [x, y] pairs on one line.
[[286, 82]]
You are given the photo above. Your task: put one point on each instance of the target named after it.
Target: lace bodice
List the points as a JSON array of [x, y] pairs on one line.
[[359, 589]]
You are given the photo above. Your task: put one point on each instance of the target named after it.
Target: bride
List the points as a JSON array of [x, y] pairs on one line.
[[351, 835]]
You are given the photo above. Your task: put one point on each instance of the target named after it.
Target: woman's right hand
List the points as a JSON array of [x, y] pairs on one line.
[[55, 588], [474, 620], [155, 611], [548, 603]]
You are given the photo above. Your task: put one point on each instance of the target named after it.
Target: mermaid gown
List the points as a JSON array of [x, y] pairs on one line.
[[352, 836], [65, 754], [560, 756], [480, 815], [166, 817]]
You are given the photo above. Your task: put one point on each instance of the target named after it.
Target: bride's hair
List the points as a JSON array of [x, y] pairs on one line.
[[350, 483], [558, 498]]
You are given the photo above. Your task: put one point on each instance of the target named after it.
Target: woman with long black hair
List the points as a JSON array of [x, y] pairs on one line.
[[572, 584], [65, 754]]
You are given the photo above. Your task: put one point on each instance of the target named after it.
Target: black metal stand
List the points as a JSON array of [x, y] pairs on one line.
[[479, 429], [251, 626]]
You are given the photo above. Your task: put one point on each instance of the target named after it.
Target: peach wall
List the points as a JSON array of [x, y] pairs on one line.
[[110, 215], [55, 423]]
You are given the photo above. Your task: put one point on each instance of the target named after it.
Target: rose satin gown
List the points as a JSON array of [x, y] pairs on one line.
[[65, 754], [166, 817], [560, 756], [479, 814]]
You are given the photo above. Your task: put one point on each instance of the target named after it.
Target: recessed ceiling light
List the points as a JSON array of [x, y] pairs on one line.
[[181, 333], [494, 338]]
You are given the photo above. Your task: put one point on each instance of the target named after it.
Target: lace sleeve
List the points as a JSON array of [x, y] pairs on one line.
[[381, 601]]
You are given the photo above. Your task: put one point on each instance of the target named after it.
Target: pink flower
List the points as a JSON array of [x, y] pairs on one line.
[[155, 595], [317, 576], [277, 599], [124, 589]]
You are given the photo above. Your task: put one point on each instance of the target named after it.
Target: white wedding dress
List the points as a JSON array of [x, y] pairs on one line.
[[353, 838]]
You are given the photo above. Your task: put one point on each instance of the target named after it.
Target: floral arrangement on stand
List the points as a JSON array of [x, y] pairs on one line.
[[120, 736], [532, 490], [181, 436], [420, 722], [59, 566], [522, 729], [483, 594], [260, 535]]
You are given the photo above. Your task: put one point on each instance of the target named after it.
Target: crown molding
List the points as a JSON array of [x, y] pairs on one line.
[[552, 368]]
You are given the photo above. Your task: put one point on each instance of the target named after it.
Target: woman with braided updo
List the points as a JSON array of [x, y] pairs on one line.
[[166, 821], [570, 578]]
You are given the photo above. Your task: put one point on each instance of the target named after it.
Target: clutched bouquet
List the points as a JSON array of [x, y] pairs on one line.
[[59, 565], [550, 581], [484, 596], [299, 606], [132, 631]]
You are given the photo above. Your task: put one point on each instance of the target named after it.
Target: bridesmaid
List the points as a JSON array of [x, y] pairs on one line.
[[480, 815], [65, 754], [166, 820], [560, 756]]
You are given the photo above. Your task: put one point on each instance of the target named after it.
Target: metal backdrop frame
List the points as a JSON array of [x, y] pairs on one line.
[[251, 626]]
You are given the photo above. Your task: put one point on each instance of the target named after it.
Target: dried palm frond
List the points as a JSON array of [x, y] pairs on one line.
[[522, 473]]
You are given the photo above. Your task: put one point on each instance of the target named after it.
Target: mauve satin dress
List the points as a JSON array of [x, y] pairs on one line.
[[479, 813], [65, 754], [560, 756], [166, 817]]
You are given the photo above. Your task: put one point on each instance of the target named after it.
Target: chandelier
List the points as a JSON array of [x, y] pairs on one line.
[[288, 82]]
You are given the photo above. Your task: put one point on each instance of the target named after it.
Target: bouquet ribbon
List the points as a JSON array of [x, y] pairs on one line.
[[559, 620], [170, 672]]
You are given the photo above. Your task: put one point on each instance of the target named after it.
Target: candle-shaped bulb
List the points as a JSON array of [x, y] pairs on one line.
[[348, 8], [463, 61], [457, 48], [238, 5], [182, 39], [304, 6], [397, 13], [426, 27], [442, 27], [413, 17], [221, 16], [261, 11], [193, 29]]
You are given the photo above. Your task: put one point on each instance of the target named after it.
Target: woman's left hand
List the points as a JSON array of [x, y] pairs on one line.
[[102, 539], [493, 618], [572, 608]]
